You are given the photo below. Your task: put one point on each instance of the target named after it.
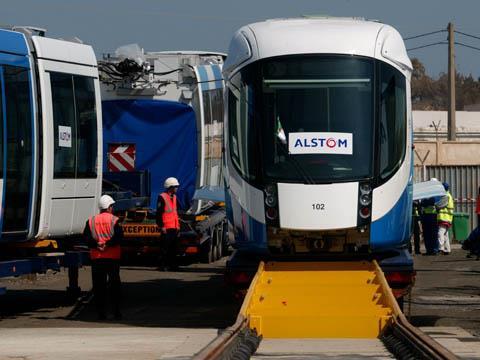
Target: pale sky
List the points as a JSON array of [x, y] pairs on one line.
[[158, 25]]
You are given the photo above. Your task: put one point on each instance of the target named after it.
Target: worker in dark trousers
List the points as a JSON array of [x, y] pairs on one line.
[[168, 222], [416, 227], [104, 235], [429, 226]]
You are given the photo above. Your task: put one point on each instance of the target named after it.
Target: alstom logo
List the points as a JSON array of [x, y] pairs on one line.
[[320, 143]]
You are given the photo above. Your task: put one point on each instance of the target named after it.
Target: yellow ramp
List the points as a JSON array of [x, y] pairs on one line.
[[319, 300]]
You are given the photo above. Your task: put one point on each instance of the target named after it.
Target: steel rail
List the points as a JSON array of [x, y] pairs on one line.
[[231, 340], [220, 347], [402, 339], [420, 344]]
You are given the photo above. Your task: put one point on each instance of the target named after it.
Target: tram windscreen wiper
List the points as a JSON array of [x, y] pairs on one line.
[[296, 165]]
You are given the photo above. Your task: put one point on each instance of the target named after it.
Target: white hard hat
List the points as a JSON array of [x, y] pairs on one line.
[[171, 181], [105, 202]]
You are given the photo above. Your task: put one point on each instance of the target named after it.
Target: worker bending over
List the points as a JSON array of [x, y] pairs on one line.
[[168, 222], [104, 235], [472, 243], [445, 218]]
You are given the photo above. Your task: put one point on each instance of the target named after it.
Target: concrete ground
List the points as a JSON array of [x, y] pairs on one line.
[[172, 315], [447, 292], [165, 316], [307, 349], [459, 341], [103, 343]]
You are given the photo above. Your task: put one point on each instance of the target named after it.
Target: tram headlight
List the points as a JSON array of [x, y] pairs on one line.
[[365, 203], [271, 213], [271, 201], [270, 190], [365, 199], [365, 189]]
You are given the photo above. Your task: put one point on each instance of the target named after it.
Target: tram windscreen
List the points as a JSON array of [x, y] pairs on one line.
[[312, 117], [320, 118]]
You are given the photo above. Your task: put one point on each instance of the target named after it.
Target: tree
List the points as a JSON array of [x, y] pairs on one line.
[[432, 94]]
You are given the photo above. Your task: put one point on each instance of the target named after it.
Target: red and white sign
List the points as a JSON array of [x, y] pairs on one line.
[[121, 157]]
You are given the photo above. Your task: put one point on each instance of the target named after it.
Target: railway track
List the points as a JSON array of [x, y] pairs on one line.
[[305, 310]]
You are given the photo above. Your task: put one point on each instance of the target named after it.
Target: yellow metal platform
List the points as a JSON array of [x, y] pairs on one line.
[[319, 300]]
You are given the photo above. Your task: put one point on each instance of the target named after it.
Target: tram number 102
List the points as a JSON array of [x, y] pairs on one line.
[[318, 206]]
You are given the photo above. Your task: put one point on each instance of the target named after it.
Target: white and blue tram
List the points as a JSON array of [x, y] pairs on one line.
[[50, 135], [318, 145]]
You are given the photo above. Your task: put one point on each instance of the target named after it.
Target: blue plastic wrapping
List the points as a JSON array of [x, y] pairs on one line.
[[165, 137], [428, 189]]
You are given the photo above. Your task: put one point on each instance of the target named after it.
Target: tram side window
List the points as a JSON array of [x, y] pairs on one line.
[[75, 126], [19, 147], [18, 122], [1, 131], [63, 103], [207, 117], [233, 128], [217, 135], [213, 115], [240, 133], [86, 116], [393, 120]]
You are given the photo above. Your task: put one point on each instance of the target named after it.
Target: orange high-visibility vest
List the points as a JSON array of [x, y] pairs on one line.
[[102, 229], [170, 215]]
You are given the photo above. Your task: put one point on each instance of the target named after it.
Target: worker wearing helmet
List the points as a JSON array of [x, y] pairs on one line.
[[168, 222], [104, 234], [445, 219]]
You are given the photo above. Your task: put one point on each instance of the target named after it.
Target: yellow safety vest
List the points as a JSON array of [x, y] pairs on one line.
[[446, 214], [429, 210]]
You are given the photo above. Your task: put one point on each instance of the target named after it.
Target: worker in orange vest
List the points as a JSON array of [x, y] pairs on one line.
[[168, 222], [104, 234]]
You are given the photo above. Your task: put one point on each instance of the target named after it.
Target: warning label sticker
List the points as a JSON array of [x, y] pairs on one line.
[[65, 136]]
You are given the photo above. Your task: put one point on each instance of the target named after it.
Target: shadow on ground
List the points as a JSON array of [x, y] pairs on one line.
[[33, 301], [204, 303], [195, 297]]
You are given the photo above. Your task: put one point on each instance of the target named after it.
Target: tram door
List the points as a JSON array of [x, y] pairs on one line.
[[71, 150], [16, 152]]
